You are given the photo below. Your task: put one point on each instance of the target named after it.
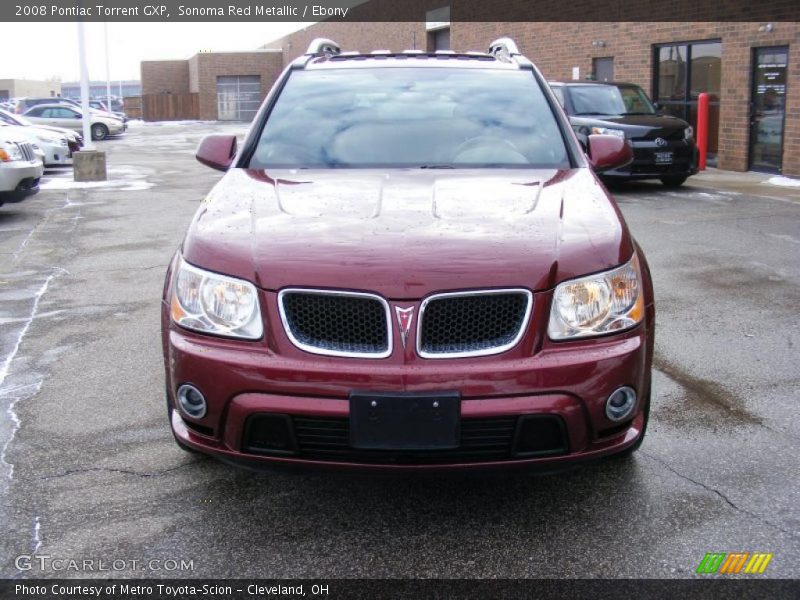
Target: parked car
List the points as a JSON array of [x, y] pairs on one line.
[[74, 139], [53, 147], [20, 168], [410, 263], [70, 117], [663, 146]]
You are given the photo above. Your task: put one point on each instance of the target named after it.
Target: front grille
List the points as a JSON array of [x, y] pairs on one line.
[[336, 323], [472, 323], [27, 151], [328, 439], [672, 136]]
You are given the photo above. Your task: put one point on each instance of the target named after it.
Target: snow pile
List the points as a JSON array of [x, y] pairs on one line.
[[783, 181], [122, 178]]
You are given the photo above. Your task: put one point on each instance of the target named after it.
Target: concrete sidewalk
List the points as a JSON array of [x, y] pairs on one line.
[[749, 183]]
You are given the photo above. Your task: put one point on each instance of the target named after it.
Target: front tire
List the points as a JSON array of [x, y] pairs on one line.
[[673, 181], [99, 131]]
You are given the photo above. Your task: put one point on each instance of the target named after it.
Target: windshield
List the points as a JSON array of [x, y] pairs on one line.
[[411, 117], [610, 100]]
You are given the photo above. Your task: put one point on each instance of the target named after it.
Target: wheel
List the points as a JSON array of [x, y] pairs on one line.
[[180, 444], [674, 181], [635, 446], [99, 131]]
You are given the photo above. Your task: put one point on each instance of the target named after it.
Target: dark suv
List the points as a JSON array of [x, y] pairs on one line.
[[409, 264], [663, 146]]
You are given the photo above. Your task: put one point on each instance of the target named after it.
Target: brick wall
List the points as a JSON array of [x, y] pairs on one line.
[[165, 76], [557, 47], [205, 68]]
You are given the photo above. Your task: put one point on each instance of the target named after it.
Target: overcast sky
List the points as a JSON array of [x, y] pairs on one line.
[[46, 50]]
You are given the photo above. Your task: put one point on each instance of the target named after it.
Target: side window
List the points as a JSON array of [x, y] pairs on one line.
[[47, 113], [35, 112]]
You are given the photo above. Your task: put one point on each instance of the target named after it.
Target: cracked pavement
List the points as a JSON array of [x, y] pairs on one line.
[[88, 468]]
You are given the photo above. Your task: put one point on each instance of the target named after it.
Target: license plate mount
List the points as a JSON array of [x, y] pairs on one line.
[[405, 421]]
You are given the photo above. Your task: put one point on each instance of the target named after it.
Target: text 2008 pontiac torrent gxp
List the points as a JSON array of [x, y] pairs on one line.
[[409, 264]]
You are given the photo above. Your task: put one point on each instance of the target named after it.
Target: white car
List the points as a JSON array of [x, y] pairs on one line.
[[74, 139], [70, 117], [54, 147], [20, 168]]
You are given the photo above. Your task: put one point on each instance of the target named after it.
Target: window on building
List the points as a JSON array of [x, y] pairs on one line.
[[682, 71]]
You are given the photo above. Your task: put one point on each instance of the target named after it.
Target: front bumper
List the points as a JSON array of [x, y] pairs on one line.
[[19, 179], [568, 382], [644, 165]]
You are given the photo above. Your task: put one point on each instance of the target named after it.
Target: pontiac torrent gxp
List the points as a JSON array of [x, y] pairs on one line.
[[409, 264]]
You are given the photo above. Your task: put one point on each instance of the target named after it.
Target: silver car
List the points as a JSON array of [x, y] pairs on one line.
[[20, 168], [70, 117]]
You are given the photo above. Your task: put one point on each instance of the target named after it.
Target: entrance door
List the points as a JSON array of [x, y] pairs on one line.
[[238, 97], [603, 68], [767, 107]]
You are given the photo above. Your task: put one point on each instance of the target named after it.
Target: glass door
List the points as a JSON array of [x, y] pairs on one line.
[[767, 107]]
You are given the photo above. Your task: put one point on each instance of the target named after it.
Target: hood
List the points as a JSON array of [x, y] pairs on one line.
[[407, 233], [636, 126], [67, 133], [16, 133]]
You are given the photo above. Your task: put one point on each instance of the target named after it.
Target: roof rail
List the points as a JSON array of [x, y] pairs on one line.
[[322, 46], [504, 47]]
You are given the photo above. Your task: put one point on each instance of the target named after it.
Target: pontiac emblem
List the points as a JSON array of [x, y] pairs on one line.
[[405, 316]]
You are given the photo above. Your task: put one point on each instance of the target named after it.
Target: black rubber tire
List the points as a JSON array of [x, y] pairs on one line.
[[99, 131], [673, 181], [180, 444]]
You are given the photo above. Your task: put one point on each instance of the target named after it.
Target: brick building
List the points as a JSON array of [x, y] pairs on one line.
[[19, 88], [751, 70], [220, 85]]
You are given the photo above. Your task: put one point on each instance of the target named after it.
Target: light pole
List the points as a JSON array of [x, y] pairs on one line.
[[108, 70], [87, 126]]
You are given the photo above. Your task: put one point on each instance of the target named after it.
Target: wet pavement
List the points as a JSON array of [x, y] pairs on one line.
[[89, 471]]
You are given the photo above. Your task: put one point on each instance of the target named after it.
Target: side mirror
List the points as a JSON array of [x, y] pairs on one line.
[[217, 151], [608, 152]]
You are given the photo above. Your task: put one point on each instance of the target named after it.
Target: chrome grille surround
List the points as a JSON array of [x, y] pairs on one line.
[[322, 348], [523, 324]]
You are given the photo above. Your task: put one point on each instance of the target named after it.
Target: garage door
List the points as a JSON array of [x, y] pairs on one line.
[[238, 97]]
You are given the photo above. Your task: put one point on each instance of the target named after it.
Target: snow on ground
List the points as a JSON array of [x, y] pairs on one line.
[[122, 178], [783, 181]]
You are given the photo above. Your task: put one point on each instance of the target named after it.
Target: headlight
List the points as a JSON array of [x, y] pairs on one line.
[[598, 304], [607, 131], [9, 152], [688, 133], [217, 304]]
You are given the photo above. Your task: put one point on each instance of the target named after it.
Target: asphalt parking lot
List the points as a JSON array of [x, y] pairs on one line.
[[89, 470]]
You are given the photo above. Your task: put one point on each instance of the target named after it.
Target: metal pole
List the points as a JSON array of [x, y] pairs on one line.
[[108, 70], [87, 125], [702, 130]]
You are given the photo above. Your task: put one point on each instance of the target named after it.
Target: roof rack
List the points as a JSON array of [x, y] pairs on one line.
[[322, 46], [504, 48]]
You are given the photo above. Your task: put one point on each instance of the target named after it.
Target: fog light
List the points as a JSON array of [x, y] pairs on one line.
[[191, 401], [620, 404]]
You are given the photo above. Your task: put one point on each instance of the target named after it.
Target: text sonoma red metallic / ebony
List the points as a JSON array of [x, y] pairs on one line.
[[410, 263]]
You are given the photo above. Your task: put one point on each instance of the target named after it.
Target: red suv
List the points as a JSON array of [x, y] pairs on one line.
[[411, 264]]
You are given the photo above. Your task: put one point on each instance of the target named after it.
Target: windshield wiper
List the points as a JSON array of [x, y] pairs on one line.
[[593, 114], [639, 113], [436, 167]]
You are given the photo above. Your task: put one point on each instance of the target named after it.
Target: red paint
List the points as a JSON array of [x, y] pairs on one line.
[[608, 152], [217, 151], [702, 130]]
